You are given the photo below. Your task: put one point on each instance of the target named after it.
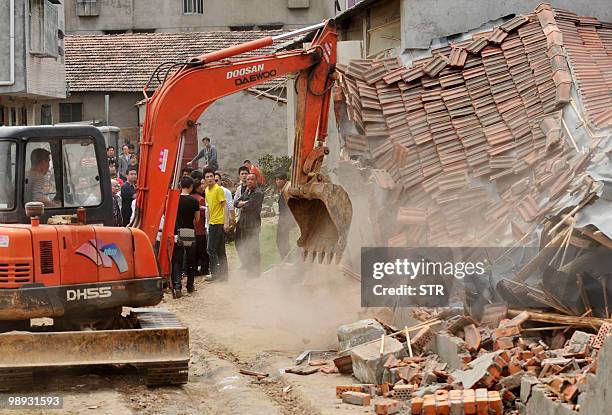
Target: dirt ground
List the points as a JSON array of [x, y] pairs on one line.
[[259, 324]]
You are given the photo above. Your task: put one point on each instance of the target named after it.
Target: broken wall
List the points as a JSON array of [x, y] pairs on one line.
[[423, 20]]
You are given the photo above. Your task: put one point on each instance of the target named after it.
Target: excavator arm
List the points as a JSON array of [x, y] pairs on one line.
[[322, 210]]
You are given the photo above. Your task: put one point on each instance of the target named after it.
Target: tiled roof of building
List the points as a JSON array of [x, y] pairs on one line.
[[125, 62], [475, 135]]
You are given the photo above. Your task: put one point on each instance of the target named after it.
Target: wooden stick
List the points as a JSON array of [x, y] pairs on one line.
[[586, 313], [382, 344], [252, 373], [534, 264], [576, 208], [408, 341], [561, 319], [416, 327], [545, 328], [570, 135]]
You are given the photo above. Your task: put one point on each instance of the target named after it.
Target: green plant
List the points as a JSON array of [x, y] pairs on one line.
[[271, 165]]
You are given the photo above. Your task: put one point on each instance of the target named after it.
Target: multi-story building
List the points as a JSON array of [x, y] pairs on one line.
[[32, 70], [138, 16]]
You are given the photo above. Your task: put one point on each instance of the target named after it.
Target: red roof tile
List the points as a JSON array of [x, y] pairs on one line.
[[125, 62]]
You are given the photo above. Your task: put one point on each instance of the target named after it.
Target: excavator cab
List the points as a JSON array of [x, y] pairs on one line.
[[64, 168]]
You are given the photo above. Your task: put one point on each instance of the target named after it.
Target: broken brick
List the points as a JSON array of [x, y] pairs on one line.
[[482, 402], [356, 398], [504, 343], [387, 407], [495, 402], [429, 405], [469, 402], [570, 392], [416, 405], [505, 332], [403, 392], [422, 338], [556, 384], [495, 370], [346, 388], [443, 407], [456, 403]]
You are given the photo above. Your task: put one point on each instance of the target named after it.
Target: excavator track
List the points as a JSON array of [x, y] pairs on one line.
[[169, 373], [158, 346], [16, 379]]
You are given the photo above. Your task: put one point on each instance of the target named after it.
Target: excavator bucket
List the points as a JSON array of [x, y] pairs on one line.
[[323, 211]]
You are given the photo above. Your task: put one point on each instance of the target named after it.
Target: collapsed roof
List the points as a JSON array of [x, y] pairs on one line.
[[490, 135]]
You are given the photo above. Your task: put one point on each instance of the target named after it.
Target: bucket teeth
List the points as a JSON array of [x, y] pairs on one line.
[[329, 258], [338, 257], [313, 258], [304, 255], [321, 257]]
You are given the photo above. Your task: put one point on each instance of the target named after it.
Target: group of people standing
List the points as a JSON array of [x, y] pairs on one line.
[[124, 175], [207, 212]]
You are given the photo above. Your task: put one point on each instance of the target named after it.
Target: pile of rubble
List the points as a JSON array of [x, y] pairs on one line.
[[452, 364], [489, 134]]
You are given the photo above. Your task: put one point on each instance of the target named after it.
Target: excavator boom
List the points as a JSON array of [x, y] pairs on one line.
[[321, 209]]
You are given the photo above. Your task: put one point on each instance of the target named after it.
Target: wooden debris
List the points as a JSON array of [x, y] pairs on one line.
[[252, 373], [299, 370], [561, 319], [472, 337]]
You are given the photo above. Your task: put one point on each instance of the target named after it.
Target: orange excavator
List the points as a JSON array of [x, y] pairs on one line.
[[75, 291]]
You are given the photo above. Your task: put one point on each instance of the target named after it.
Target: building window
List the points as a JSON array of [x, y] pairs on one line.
[[72, 112], [241, 28], [88, 8], [43, 29], [23, 116], [193, 6], [13, 116], [2, 122], [298, 4], [270, 26], [46, 117]]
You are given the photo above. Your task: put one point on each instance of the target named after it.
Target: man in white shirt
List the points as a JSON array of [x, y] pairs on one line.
[[229, 206], [36, 178]]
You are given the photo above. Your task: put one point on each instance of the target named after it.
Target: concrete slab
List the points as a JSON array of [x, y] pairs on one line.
[[368, 363], [359, 332]]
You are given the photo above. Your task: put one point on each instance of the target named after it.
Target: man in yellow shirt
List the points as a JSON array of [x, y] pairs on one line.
[[218, 224]]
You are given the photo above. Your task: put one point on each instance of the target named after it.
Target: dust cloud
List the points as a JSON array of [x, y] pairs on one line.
[[298, 305]]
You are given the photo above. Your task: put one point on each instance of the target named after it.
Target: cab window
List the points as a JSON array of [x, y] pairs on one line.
[[62, 173], [8, 155], [81, 174]]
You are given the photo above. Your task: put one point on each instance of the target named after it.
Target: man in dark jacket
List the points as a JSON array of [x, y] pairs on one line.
[[248, 227], [187, 215], [128, 193], [209, 154], [117, 218]]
